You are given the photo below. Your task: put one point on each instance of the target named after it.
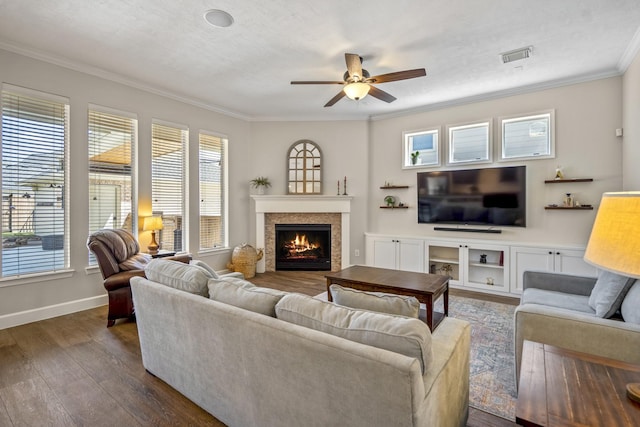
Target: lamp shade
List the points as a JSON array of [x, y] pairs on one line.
[[152, 223], [356, 90], [614, 244]]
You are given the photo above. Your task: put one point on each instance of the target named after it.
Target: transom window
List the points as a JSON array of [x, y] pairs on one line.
[[470, 143], [305, 168], [528, 136], [35, 138], [421, 148]]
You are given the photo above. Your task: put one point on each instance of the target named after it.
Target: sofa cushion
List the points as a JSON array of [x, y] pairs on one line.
[[399, 334], [138, 261], [210, 271], [630, 307], [557, 299], [608, 293], [245, 295], [375, 301], [178, 275]]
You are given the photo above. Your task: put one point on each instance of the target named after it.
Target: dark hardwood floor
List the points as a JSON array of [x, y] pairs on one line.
[[73, 371]]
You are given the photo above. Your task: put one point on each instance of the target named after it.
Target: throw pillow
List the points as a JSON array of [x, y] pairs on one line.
[[178, 275], [631, 303], [608, 293], [252, 298], [375, 301], [210, 271], [399, 334]]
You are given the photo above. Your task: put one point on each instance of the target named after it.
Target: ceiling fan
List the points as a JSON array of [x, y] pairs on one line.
[[358, 83]]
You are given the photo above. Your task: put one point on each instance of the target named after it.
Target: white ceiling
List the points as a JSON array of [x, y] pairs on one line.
[[245, 70]]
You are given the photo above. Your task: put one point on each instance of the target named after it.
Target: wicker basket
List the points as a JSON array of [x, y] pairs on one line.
[[244, 259]]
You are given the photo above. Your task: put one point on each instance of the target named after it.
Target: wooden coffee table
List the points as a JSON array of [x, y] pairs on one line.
[[560, 387], [427, 288]]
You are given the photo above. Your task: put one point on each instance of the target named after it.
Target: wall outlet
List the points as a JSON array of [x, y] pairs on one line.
[[356, 252]]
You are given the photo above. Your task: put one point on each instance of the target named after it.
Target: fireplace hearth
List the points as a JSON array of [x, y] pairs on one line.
[[303, 247]]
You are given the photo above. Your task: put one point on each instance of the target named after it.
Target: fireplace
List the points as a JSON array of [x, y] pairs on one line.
[[303, 246]]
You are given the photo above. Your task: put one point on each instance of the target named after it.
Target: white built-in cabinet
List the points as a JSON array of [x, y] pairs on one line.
[[395, 253], [470, 264], [499, 271], [558, 260]]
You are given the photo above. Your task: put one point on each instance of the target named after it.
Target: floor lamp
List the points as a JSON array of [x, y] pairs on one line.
[[614, 244], [152, 223]]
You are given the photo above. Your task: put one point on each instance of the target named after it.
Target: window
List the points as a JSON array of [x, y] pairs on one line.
[[34, 211], [212, 191], [305, 168], [421, 148], [112, 139], [470, 143], [528, 136], [168, 145]]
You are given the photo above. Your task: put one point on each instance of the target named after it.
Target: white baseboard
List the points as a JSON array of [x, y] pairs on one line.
[[34, 315]]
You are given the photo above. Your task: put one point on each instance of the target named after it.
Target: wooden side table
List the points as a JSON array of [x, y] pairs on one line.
[[560, 387]]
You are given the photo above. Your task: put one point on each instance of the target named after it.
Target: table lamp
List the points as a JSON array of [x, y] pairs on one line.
[[152, 223], [614, 244]]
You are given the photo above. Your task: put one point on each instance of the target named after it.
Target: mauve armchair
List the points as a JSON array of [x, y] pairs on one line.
[[119, 258]]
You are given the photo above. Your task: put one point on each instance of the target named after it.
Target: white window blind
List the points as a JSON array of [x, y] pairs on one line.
[[111, 141], [168, 145], [469, 143], [527, 137], [212, 191], [34, 144]]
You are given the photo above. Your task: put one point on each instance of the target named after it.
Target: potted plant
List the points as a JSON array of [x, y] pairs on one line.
[[414, 157], [260, 183]]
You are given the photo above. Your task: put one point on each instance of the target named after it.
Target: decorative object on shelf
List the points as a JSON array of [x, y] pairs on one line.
[[153, 224], [483, 258], [559, 173], [446, 269], [390, 201], [414, 157], [345, 187], [568, 200], [338, 187], [401, 205], [260, 183], [244, 259], [613, 244], [490, 281]]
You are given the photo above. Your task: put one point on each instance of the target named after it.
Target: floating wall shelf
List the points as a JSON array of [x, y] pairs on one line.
[[557, 181]]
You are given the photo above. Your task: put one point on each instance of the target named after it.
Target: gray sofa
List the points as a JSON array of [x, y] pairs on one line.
[[250, 369], [554, 309]]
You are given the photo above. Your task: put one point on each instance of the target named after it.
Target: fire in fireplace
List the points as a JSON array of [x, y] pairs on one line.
[[303, 247]]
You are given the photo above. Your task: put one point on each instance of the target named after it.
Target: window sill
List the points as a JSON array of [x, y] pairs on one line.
[[35, 278], [214, 251]]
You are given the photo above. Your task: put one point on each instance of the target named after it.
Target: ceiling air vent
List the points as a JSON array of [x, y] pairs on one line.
[[516, 55]]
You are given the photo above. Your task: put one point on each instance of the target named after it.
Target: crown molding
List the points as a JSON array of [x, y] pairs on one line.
[[630, 53]]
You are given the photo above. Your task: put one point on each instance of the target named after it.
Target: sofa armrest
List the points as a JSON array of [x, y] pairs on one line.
[[121, 279], [558, 282], [185, 258]]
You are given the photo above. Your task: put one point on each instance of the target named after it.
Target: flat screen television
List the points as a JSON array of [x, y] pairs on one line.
[[481, 197]]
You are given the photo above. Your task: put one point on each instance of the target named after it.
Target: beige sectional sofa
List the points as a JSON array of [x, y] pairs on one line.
[[250, 369]]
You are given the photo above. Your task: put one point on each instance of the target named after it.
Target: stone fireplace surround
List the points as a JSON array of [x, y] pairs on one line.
[[307, 209]]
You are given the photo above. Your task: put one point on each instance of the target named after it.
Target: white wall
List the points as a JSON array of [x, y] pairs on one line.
[[586, 115], [18, 296], [345, 152], [631, 124]]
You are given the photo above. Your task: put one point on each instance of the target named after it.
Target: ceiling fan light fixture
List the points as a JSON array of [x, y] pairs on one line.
[[356, 90]]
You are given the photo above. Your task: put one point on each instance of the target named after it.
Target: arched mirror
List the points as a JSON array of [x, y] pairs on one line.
[[305, 168]]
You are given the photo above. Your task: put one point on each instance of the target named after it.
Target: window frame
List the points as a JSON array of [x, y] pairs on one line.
[[224, 192], [408, 148], [488, 149], [525, 117], [60, 187]]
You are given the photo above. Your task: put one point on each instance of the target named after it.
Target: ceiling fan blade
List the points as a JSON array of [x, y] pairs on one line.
[[354, 64], [320, 82], [335, 99], [380, 94], [398, 75]]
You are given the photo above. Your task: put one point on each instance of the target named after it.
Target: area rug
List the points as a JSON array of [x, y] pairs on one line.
[[492, 385]]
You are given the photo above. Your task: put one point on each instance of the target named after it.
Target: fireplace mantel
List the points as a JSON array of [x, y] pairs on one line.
[[300, 204]]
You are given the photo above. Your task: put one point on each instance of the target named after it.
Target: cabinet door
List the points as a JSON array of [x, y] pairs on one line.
[[571, 261], [410, 255], [384, 253], [523, 259]]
